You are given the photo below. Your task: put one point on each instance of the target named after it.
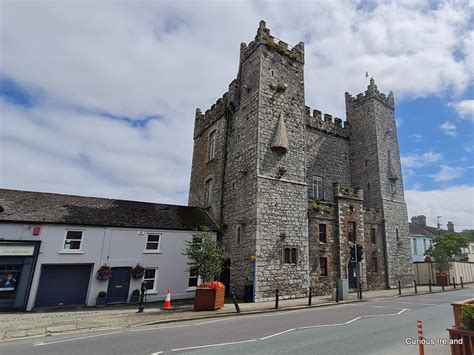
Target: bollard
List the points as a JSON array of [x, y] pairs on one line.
[[442, 287], [414, 282], [237, 307], [337, 293], [360, 291], [141, 302], [462, 285], [429, 284], [454, 282], [399, 287], [310, 296], [421, 346], [277, 293]]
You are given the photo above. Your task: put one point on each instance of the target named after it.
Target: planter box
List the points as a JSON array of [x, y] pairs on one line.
[[209, 299], [457, 310], [442, 279], [463, 339]]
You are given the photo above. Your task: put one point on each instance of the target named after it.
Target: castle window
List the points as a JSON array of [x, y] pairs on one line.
[[351, 231], [322, 233], [323, 266], [372, 236], [211, 149], [239, 234], [396, 232], [207, 193], [317, 188], [290, 255], [375, 265]]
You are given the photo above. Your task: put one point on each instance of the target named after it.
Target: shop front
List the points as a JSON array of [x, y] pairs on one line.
[[17, 264]]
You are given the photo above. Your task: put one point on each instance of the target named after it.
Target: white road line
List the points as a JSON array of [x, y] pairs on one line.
[[158, 328], [213, 345], [424, 304], [368, 305], [320, 326], [159, 352], [379, 315], [403, 310], [274, 335], [73, 339], [213, 321], [352, 320]]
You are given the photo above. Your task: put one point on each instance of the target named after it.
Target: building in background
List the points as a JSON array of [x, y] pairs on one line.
[[294, 192], [52, 245]]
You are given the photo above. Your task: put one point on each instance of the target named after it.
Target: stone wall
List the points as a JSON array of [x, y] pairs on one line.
[[375, 279]]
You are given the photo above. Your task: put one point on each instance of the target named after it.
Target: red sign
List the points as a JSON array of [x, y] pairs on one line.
[[36, 230]]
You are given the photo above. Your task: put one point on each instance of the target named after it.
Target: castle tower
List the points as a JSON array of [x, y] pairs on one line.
[[249, 169], [376, 168]]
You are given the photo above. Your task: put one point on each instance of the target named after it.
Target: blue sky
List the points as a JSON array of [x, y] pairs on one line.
[[99, 98]]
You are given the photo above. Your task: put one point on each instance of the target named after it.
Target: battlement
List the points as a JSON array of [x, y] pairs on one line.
[[204, 121], [371, 92], [326, 123], [273, 44], [347, 192]]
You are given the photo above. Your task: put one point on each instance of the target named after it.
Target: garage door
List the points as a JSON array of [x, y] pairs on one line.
[[62, 285]]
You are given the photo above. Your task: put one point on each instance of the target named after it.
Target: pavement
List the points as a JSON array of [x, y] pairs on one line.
[[76, 320]]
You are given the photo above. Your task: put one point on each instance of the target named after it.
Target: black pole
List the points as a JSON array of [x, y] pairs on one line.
[[310, 296], [442, 287], [462, 285], [454, 282], [337, 292], [360, 291], [237, 307], [141, 303], [416, 290], [429, 284], [277, 293], [399, 287]]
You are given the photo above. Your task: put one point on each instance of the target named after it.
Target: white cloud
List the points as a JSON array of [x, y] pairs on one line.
[[448, 128], [447, 173], [455, 204], [464, 108], [417, 137], [420, 160]]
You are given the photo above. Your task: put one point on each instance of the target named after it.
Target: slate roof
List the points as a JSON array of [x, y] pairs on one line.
[[39, 207], [426, 231]]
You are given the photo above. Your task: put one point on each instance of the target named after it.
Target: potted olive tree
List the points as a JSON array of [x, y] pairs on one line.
[[205, 258]]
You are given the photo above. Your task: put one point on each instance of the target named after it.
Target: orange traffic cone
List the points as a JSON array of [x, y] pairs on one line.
[[167, 304]]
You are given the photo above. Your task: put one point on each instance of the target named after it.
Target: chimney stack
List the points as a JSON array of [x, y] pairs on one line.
[[419, 220], [450, 227]]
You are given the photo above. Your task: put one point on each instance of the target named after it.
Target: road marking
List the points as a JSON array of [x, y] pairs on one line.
[[73, 339], [320, 326], [379, 315], [159, 352], [403, 310], [352, 320], [424, 304], [158, 328], [213, 321], [274, 335], [213, 345]]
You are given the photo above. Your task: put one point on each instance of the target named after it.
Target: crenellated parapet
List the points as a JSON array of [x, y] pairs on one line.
[[325, 123], [274, 44], [371, 92], [204, 120], [348, 192]]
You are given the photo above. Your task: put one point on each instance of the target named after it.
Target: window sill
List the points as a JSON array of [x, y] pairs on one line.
[[191, 289], [70, 252], [151, 292], [152, 252]]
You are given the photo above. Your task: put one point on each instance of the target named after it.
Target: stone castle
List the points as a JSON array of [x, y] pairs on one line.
[[293, 192]]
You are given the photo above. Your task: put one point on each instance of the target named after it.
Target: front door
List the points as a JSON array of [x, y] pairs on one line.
[[352, 271], [119, 285], [225, 276]]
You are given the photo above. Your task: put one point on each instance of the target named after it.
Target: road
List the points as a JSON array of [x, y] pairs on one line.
[[378, 326]]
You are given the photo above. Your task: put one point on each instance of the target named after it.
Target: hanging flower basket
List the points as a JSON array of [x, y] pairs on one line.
[[104, 272], [138, 272]]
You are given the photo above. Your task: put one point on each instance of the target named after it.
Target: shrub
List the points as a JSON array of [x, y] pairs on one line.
[[102, 294], [136, 292], [467, 316]]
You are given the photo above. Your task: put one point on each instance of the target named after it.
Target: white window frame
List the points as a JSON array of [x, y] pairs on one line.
[[208, 192], [72, 251], [211, 146], [153, 251], [154, 290], [415, 246], [317, 188]]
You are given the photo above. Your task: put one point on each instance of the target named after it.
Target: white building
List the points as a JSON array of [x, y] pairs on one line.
[[52, 245]]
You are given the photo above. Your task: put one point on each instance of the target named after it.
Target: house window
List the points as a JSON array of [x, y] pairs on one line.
[[150, 279], [372, 236], [317, 188], [193, 277], [425, 244], [322, 233], [239, 233], [207, 193], [415, 247], [153, 242], [323, 266], [290, 255], [375, 265], [211, 149], [73, 240], [352, 232]]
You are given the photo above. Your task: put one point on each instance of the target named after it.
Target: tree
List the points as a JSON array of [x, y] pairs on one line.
[[204, 255], [445, 248]]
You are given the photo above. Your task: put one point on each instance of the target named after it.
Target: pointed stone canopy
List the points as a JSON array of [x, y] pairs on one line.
[[280, 139]]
